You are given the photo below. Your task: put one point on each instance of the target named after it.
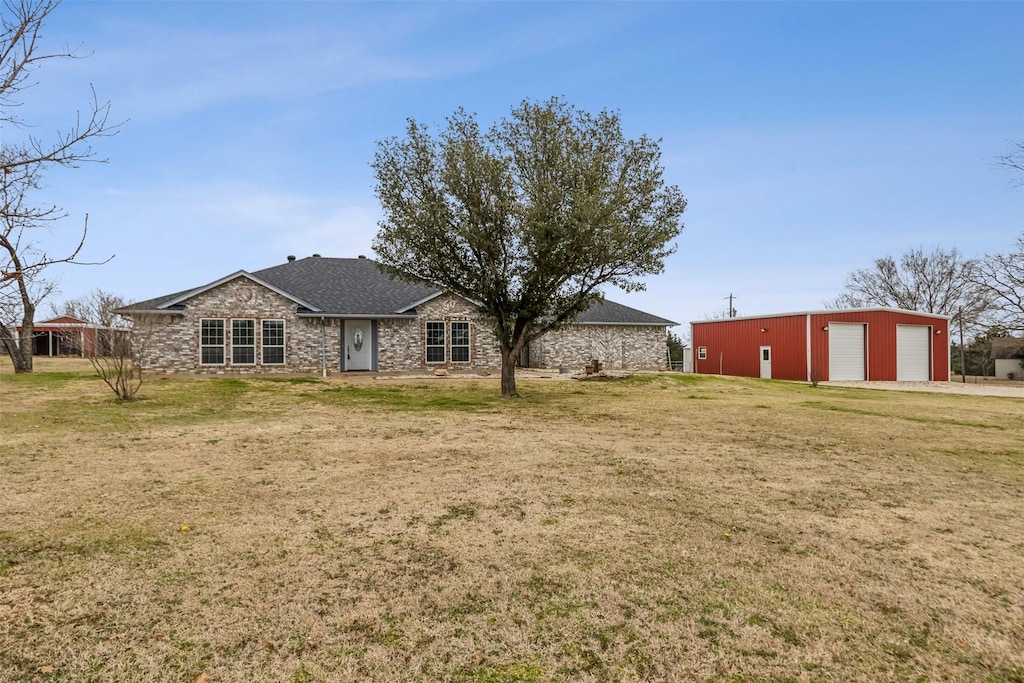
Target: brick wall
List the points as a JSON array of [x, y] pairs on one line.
[[617, 347], [170, 343], [402, 343]]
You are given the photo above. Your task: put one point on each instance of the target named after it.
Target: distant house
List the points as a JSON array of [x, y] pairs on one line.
[[1008, 353], [344, 314]]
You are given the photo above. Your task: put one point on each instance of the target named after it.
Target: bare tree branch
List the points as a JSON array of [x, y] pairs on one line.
[[24, 257], [1014, 160], [1001, 276]]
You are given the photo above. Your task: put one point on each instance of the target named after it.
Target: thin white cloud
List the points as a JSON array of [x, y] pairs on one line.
[[157, 69]]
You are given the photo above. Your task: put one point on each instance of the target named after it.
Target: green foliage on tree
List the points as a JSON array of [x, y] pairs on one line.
[[675, 347], [528, 219]]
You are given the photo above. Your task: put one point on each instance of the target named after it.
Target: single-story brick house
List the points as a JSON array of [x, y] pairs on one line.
[[344, 314]]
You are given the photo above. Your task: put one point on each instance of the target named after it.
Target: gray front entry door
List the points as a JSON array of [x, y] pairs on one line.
[[358, 345]]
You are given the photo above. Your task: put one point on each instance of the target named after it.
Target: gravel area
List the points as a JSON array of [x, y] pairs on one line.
[[992, 388]]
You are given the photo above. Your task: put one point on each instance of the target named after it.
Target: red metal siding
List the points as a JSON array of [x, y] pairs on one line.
[[733, 345]]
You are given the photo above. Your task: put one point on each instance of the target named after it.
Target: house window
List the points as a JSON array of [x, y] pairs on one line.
[[243, 342], [211, 342], [435, 342], [273, 342], [460, 342], [702, 353]]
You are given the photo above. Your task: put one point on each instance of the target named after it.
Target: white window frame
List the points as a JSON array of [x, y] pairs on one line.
[[468, 345], [263, 341], [427, 346], [702, 353], [252, 345], [223, 339]]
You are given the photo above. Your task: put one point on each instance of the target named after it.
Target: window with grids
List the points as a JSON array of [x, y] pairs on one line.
[[435, 342], [460, 342], [243, 342], [273, 342], [211, 342], [702, 353]]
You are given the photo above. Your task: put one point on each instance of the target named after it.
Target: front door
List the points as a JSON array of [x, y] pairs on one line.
[[358, 345], [766, 362]]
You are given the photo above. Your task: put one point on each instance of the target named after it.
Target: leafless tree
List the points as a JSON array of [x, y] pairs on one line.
[[1014, 160], [24, 256], [1001, 277], [939, 281], [116, 357], [98, 306]]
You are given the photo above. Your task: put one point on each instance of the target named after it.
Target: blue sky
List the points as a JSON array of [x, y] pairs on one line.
[[808, 137]]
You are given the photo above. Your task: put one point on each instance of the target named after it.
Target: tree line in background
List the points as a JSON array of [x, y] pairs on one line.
[[983, 296]]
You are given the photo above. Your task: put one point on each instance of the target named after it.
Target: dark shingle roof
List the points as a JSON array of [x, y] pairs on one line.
[[357, 287], [609, 312], [344, 286]]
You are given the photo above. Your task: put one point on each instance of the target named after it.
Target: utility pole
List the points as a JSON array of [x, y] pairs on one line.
[[963, 367], [732, 311]]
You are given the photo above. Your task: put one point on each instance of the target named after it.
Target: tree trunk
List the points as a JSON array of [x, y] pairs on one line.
[[508, 372], [21, 352]]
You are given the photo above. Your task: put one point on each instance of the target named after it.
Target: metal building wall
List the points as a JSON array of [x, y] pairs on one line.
[[733, 346]]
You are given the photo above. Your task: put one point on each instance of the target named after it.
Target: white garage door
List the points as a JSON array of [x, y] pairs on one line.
[[913, 353], [845, 351]]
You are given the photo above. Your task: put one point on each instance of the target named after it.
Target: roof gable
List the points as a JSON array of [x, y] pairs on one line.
[[63, 320], [185, 296]]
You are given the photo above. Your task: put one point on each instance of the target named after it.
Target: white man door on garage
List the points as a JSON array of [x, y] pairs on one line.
[[913, 353], [846, 354], [766, 362]]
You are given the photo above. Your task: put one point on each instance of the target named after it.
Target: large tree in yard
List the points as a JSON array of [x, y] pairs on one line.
[[25, 254], [528, 219]]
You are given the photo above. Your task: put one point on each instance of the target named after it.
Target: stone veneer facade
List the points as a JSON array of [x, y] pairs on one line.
[[402, 343], [170, 341], [616, 347]]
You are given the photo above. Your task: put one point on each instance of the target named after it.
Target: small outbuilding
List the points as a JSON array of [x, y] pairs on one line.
[[884, 344], [1008, 357], [68, 336], [63, 336]]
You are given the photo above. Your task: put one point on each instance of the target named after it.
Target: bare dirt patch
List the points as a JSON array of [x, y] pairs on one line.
[[655, 528]]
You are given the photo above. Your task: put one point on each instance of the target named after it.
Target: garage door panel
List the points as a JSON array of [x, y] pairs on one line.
[[913, 353], [846, 352]]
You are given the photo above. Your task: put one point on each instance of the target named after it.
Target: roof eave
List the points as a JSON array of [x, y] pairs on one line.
[[827, 311], [357, 316]]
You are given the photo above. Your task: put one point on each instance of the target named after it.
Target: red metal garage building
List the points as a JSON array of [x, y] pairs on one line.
[[854, 344]]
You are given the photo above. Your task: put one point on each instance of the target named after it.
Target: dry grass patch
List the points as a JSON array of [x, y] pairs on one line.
[[659, 528]]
